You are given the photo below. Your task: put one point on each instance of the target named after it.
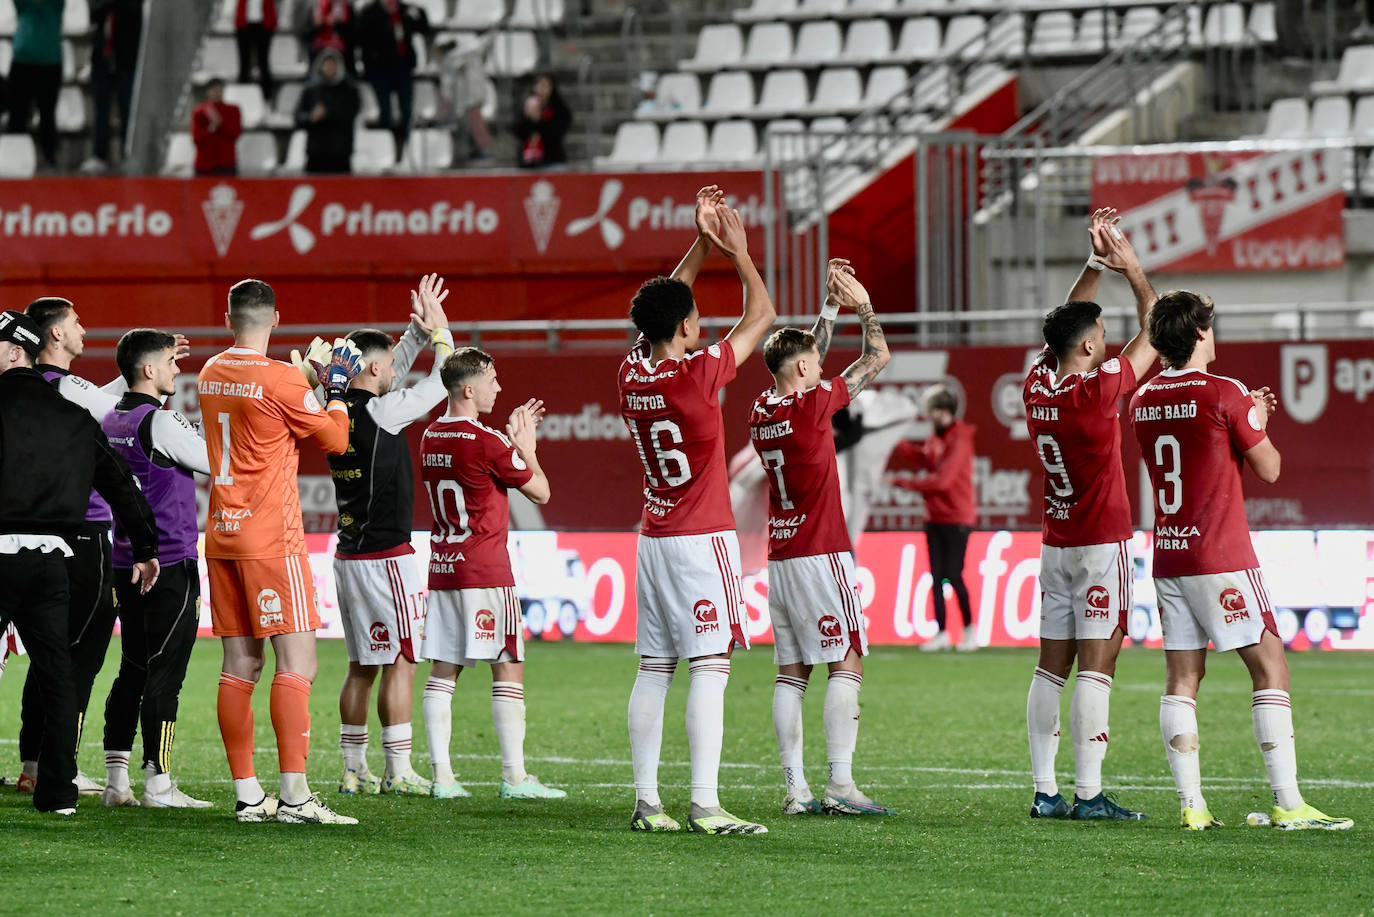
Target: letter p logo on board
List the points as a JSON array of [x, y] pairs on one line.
[[1305, 380]]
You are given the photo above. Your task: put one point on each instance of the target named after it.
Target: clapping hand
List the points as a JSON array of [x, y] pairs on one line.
[[427, 304], [708, 211], [1111, 248]]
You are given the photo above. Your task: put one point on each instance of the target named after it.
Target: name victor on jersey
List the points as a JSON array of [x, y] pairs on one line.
[[645, 402], [1165, 411]]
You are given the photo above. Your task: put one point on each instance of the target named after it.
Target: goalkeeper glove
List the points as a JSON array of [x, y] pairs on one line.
[[314, 359]]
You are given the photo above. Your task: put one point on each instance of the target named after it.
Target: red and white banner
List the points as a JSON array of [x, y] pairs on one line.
[[1228, 211], [581, 586]]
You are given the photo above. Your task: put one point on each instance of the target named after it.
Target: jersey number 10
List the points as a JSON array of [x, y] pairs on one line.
[[443, 519]]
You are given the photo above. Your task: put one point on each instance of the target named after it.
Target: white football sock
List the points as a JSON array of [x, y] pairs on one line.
[[29, 768], [788, 691], [1088, 711], [508, 713], [646, 723], [841, 719], [396, 745], [247, 789], [353, 743], [437, 704], [294, 789], [1272, 714], [706, 726], [1178, 726], [1042, 725], [155, 784], [117, 770]]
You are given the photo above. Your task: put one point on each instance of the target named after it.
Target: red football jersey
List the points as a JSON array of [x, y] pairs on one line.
[[467, 468], [672, 410], [1193, 428], [792, 436], [1074, 423]]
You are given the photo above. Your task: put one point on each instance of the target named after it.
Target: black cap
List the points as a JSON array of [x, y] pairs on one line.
[[18, 328]]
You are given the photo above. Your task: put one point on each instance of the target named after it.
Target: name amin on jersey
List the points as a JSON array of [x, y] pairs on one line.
[[1165, 411], [1044, 412], [772, 430]]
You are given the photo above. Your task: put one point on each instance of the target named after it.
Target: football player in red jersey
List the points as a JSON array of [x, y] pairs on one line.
[[687, 589], [813, 596], [1072, 395], [1196, 430]]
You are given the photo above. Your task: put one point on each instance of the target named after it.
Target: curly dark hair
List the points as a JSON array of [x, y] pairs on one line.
[[660, 306], [1065, 326]]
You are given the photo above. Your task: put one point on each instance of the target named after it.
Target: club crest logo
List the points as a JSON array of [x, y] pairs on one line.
[[1211, 195], [222, 210], [541, 208]]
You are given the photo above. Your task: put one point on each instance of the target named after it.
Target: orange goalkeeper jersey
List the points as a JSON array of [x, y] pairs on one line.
[[255, 409]]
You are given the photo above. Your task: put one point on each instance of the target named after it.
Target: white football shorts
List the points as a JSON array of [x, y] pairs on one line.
[[1085, 591], [1231, 610], [688, 595], [467, 626], [814, 604], [382, 604]]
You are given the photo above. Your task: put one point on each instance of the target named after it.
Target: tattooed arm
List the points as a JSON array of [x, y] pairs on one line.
[[824, 329], [848, 292]]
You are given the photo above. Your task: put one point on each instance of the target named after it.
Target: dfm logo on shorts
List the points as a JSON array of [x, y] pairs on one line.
[[380, 636], [831, 632], [707, 620], [1233, 604], [1099, 601], [485, 620], [269, 609]]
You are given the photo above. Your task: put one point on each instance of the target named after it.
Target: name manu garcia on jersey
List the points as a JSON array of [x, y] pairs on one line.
[[231, 389], [1165, 411]]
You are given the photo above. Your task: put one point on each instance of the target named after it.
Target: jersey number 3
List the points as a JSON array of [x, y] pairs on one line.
[[1170, 496]]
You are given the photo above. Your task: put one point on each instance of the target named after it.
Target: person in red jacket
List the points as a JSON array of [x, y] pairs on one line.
[[947, 485], [215, 127], [254, 23]]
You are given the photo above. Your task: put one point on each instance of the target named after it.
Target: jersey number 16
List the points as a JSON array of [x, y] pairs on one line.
[[673, 468]]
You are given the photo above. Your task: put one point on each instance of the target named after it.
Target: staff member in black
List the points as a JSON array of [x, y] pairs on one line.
[[51, 454]]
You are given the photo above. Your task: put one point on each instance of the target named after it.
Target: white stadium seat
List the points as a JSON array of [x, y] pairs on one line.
[[283, 112], [733, 141], [374, 151], [71, 109], [684, 141], [285, 59], [18, 157], [761, 10], [7, 18], [435, 10], [429, 150], [636, 143], [1093, 32], [426, 102], [883, 84], [513, 53], [1052, 34], [919, 40], [1224, 26], [1330, 117], [219, 59], [536, 14], [6, 54], [869, 7], [1138, 22], [295, 153], [867, 40], [248, 97], [1263, 25], [1362, 124], [784, 92], [962, 36], [478, 15], [1287, 119], [677, 93], [839, 89], [719, 46], [769, 45], [818, 43], [181, 155], [730, 92], [76, 19], [1356, 73], [256, 152], [820, 9]]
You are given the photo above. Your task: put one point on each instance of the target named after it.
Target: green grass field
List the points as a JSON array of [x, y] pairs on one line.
[[942, 740]]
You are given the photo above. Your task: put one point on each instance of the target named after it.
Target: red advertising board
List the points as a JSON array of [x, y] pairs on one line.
[[1236, 210]]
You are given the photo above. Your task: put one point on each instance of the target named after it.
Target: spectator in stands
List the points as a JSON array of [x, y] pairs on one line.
[[327, 110], [116, 30], [215, 127], [386, 37], [327, 25], [541, 124], [36, 72], [254, 23], [463, 91]]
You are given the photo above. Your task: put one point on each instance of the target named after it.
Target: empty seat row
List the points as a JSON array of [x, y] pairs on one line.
[[638, 143], [1356, 73], [838, 89], [771, 44], [76, 18], [479, 15], [1330, 116], [768, 10], [374, 152]]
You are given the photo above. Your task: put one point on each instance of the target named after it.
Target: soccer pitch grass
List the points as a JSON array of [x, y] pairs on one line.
[[942, 740]]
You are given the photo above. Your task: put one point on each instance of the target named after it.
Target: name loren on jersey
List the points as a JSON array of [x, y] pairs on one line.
[[1166, 411]]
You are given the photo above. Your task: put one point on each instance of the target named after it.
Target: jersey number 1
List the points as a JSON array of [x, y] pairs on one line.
[[224, 477]]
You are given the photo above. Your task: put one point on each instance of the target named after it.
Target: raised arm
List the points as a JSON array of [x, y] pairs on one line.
[[824, 329], [759, 313], [707, 219], [1263, 457], [1118, 255], [1085, 287], [847, 292], [400, 407], [520, 429]]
